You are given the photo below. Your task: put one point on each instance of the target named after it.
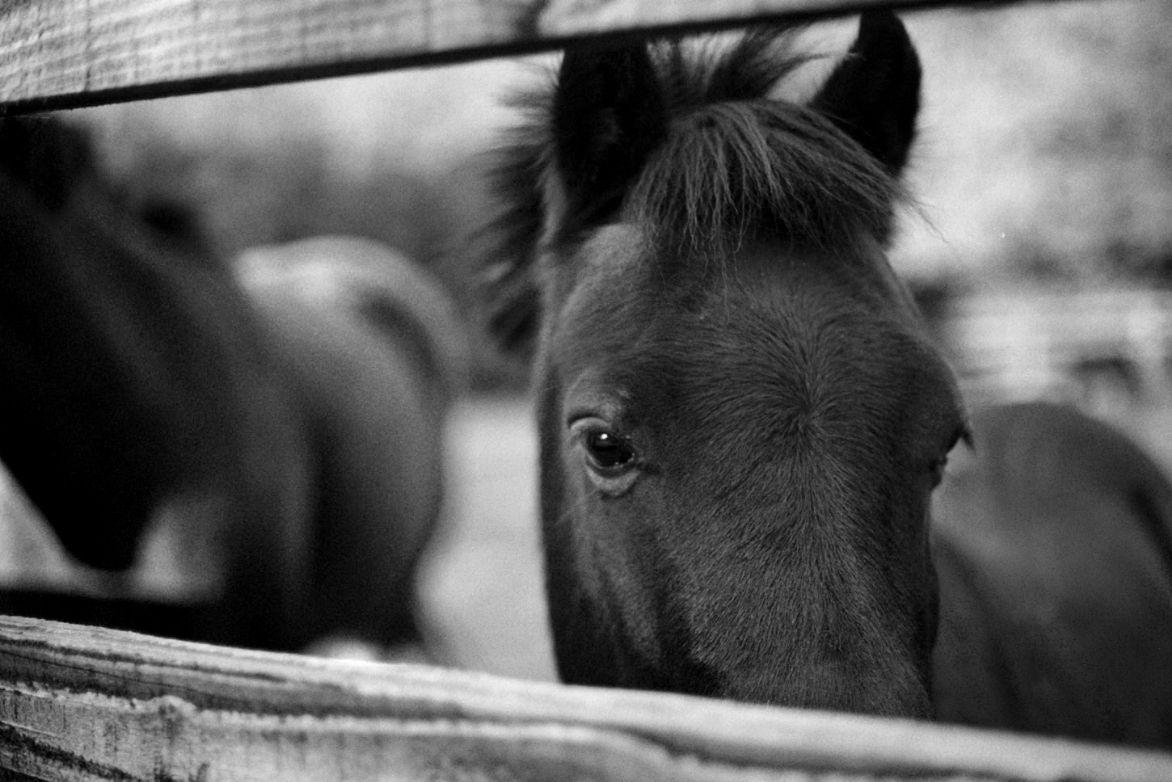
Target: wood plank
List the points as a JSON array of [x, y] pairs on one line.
[[63, 53], [68, 53], [90, 703]]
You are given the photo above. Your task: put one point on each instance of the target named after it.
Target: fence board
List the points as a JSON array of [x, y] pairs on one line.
[[68, 53], [91, 703]]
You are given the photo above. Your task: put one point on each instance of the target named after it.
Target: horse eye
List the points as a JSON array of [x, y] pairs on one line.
[[611, 461], [607, 452]]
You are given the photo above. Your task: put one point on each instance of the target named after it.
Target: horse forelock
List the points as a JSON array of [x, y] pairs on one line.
[[737, 162], [734, 165], [729, 172]]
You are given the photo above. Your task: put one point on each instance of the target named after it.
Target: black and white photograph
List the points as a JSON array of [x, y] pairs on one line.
[[605, 390]]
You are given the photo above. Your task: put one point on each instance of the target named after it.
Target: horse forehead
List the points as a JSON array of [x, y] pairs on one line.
[[620, 254], [856, 274], [598, 293], [617, 289], [614, 250], [806, 345], [793, 338], [787, 297]]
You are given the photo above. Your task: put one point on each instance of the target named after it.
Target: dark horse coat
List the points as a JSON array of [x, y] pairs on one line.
[[1054, 551]]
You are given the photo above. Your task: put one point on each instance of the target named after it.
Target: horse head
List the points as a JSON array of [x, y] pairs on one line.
[[742, 419]]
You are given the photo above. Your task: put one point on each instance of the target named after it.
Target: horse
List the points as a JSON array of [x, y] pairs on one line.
[[373, 348], [147, 398], [1054, 553], [742, 416]]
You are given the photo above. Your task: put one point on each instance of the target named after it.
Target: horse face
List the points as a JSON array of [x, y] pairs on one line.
[[737, 480], [741, 419]]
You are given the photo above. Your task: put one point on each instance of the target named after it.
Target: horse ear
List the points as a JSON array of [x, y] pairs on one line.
[[609, 112], [874, 93]]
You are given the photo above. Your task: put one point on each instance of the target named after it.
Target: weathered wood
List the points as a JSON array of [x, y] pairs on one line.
[[90, 703], [68, 53], [61, 53]]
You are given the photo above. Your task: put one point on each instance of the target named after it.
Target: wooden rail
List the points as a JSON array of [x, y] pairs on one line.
[[84, 703], [58, 54]]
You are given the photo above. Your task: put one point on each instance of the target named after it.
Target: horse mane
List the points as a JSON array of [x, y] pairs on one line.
[[734, 163]]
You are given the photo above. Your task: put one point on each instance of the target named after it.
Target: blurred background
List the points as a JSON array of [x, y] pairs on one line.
[[1040, 245]]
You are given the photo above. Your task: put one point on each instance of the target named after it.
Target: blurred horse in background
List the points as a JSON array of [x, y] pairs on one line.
[[743, 417], [150, 409], [373, 351], [1053, 546]]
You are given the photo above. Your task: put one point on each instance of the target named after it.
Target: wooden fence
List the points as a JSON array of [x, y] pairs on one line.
[[68, 53], [83, 703], [93, 704]]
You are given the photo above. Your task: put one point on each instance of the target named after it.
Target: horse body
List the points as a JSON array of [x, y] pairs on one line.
[[372, 350], [742, 419], [1054, 551], [142, 383]]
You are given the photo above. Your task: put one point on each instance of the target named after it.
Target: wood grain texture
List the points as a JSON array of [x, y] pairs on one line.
[[68, 53], [62, 53], [89, 703], [564, 18]]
